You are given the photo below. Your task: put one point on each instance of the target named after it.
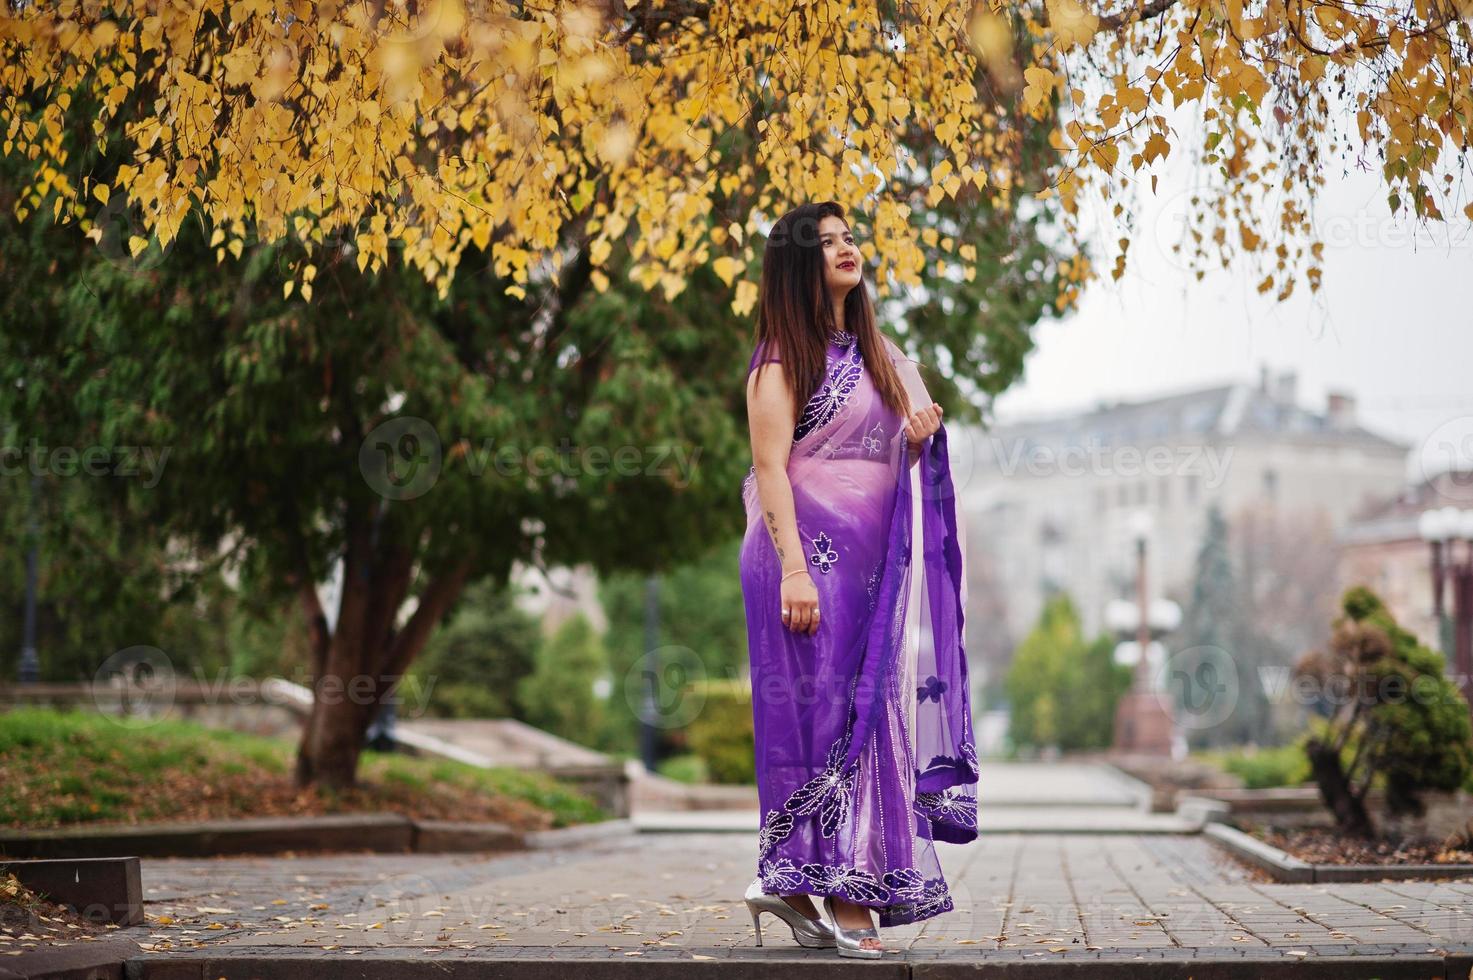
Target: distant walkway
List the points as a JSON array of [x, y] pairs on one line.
[[1147, 899], [1012, 797]]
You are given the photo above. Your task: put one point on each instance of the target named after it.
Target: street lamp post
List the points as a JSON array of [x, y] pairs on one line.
[[1143, 722], [1441, 528], [649, 735], [30, 663]]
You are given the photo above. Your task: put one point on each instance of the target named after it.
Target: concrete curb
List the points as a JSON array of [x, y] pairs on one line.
[[1282, 865], [728, 964], [1142, 790], [376, 832], [100, 889], [1286, 867], [104, 959], [577, 834]]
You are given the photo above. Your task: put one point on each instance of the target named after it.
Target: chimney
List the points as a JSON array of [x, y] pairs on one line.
[[1340, 410], [1284, 388]]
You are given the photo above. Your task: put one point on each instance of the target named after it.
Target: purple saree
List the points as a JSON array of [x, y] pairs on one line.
[[864, 748]]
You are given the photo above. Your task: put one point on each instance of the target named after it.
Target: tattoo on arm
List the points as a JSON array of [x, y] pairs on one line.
[[772, 530]]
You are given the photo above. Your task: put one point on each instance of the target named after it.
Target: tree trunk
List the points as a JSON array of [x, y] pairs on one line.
[[333, 740], [1349, 809], [359, 665]]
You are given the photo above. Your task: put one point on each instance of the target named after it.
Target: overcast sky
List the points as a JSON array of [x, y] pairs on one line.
[[1390, 326]]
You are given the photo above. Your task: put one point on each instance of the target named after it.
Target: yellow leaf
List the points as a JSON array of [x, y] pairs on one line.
[[136, 245], [1040, 83], [286, 288], [1071, 23], [1156, 146], [101, 192], [727, 268]]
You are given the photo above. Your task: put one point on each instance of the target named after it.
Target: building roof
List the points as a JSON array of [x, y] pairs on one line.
[[1222, 411]]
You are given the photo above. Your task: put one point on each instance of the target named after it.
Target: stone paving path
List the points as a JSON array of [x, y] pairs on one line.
[[1017, 896], [1053, 797]]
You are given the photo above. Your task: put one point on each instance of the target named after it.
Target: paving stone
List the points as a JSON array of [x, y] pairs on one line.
[[1024, 902]]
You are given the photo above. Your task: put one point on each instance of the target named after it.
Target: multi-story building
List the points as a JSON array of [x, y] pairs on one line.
[[1048, 500]]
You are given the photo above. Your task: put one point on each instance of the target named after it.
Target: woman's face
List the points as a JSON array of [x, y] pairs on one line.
[[841, 258]]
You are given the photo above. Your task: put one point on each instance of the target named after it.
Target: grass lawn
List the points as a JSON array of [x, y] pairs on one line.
[[76, 767]]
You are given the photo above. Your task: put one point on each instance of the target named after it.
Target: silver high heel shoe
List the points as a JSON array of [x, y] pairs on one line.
[[849, 940], [812, 933]]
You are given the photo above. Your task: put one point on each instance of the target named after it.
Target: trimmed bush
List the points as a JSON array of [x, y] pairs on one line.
[[722, 733]]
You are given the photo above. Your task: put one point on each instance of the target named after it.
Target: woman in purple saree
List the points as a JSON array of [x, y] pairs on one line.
[[864, 746]]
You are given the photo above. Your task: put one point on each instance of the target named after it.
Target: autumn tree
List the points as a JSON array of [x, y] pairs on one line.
[[427, 440], [680, 126]]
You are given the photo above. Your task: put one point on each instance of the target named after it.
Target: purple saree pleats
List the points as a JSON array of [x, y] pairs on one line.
[[863, 738]]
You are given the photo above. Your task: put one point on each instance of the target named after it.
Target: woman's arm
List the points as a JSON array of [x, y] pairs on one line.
[[771, 415]]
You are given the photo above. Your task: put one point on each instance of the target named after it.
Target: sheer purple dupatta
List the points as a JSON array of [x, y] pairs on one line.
[[940, 721]]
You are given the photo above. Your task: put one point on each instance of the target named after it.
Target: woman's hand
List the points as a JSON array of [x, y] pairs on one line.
[[921, 426], [800, 603]]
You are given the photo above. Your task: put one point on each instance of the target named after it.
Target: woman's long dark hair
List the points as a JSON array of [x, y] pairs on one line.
[[795, 313]]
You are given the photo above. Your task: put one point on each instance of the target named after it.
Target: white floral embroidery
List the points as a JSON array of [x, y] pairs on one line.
[[825, 556], [830, 792], [874, 440], [779, 876], [872, 585], [851, 883], [778, 826], [831, 396], [903, 895], [948, 806], [916, 897]]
